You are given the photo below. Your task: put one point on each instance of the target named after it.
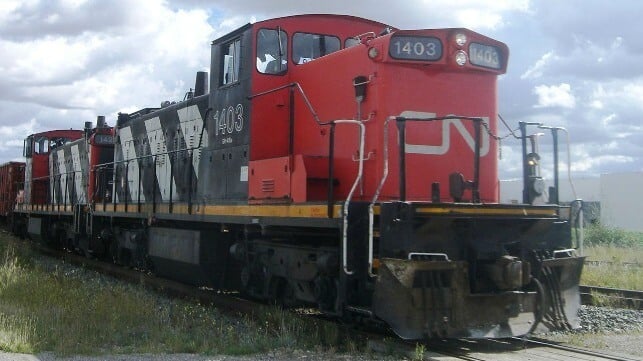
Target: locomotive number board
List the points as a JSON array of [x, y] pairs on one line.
[[415, 48]]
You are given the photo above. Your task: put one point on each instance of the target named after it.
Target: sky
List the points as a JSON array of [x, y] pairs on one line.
[[576, 64]]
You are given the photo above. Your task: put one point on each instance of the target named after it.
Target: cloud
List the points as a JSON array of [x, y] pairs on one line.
[[555, 96], [59, 75], [536, 70], [145, 56], [12, 137], [408, 14], [35, 19]]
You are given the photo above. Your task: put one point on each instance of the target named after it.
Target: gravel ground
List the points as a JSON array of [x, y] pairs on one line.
[[603, 319], [606, 329]]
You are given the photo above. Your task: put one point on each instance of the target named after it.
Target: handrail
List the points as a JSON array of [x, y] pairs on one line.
[[170, 153], [371, 213], [358, 178], [412, 116], [50, 202], [430, 254], [301, 91], [331, 146], [420, 117]]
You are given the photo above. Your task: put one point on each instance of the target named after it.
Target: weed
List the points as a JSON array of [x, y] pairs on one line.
[[419, 352], [16, 333]]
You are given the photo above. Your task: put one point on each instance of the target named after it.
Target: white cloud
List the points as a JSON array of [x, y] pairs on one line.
[[555, 96], [91, 68], [608, 119], [12, 137], [536, 70], [408, 14], [617, 95]]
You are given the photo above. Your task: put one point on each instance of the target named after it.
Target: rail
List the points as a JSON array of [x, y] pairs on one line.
[[592, 295]]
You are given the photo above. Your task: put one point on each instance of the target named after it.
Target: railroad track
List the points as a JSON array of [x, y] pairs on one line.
[[610, 263], [592, 295], [516, 348]]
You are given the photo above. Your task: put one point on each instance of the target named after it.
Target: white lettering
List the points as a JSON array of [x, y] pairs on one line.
[[228, 120], [446, 139]]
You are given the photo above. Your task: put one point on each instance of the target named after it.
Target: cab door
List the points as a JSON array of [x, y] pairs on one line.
[[224, 165]]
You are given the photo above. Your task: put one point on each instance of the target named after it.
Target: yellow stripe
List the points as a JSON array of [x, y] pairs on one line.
[[43, 208], [304, 211], [301, 210], [296, 210], [549, 212]]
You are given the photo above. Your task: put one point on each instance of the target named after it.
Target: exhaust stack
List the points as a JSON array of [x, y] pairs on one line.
[[201, 84]]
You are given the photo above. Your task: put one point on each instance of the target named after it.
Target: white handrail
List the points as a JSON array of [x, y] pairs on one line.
[[360, 172], [371, 216]]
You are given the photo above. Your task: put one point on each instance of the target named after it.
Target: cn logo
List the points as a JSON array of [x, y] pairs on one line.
[[443, 148]]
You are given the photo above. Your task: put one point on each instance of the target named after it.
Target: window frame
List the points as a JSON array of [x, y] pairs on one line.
[[284, 66], [236, 62], [296, 61]]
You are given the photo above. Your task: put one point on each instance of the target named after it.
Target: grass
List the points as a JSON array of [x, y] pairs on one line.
[[620, 269], [61, 311], [619, 254]]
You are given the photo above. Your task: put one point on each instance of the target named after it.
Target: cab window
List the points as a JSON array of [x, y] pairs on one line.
[[351, 42], [307, 47], [272, 55], [41, 146], [231, 53], [28, 148]]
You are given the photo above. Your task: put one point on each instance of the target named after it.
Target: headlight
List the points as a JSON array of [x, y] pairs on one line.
[[460, 57], [460, 39], [373, 53]]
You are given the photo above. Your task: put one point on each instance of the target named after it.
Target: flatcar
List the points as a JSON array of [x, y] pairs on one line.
[[330, 161]]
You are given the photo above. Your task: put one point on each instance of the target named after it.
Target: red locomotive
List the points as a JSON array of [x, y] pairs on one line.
[[335, 162]]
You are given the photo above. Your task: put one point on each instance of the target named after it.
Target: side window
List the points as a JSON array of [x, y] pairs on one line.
[[41, 146], [231, 53], [306, 47], [28, 149], [272, 51], [351, 42]]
